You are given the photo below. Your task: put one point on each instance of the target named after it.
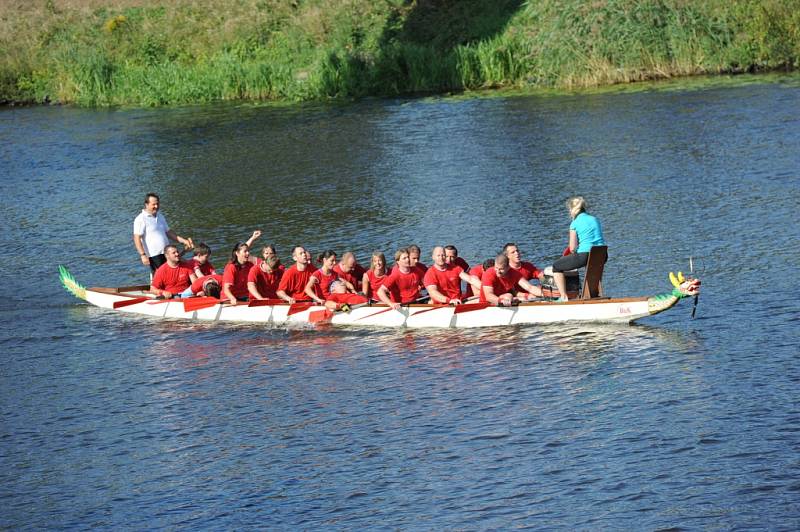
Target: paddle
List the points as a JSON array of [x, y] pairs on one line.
[[198, 303], [697, 296], [296, 308], [265, 302], [134, 301], [319, 316]]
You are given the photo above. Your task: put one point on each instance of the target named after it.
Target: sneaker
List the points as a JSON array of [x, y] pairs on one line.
[[562, 299]]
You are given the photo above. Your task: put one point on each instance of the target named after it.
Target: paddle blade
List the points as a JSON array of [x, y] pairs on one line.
[[296, 308], [125, 303], [197, 303], [319, 316], [470, 307]]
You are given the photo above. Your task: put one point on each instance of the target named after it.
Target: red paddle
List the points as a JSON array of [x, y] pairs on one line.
[[125, 303], [197, 303], [296, 308]]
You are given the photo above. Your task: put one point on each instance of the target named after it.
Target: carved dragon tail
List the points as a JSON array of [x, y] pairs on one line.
[[69, 282]]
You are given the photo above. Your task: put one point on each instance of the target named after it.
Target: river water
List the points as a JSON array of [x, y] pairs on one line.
[[114, 421]]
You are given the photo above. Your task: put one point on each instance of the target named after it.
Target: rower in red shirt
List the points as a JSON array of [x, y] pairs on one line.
[[264, 278], [443, 281], [477, 271], [172, 277], [501, 285], [318, 285], [527, 269], [346, 272], [375, 276], [451, 257], [413, 256], [292, 287], [234, 278], [339, 296], [208, 285], [403, 284]]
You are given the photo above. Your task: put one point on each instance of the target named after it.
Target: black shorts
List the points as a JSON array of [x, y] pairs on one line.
[[572, 261], [157, 261]]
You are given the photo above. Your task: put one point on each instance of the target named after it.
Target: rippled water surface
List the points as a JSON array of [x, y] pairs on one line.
[[115, 421]]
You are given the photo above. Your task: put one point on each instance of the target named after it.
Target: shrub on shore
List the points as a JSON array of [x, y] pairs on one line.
[[189, 51]]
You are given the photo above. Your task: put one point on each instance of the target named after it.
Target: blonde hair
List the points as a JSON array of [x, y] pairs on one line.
[[377, 255], [576, 205]]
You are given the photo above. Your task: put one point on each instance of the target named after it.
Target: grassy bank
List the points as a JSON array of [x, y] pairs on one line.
[[151, 52]]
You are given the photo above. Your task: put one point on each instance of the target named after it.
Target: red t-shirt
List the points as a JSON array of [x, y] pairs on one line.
[[266, 283], [403, 287], [197, 286], [501, 285], [350, 276], [476, 271], [237, 278], [323, 286], [359, 271], [174, 280], [528, 270], [294, 282], [447, 281], [375, 282], [205, 269]]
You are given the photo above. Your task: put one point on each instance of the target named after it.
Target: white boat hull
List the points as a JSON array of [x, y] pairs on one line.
[[623, 310]]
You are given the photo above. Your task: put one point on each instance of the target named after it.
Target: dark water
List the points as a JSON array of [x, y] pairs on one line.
[[114, 421]]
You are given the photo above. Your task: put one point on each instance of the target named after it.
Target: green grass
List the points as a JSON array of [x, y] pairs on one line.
[[151, 53]]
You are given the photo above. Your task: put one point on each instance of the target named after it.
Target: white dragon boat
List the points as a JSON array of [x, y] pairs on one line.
[[136, 300]]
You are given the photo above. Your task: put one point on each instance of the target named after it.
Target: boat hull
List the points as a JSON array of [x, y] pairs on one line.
[[620, 310]]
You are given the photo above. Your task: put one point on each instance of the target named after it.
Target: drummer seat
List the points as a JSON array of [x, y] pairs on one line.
[[592, 279]]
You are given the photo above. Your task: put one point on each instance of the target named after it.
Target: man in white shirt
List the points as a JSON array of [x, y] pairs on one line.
[[151, 234]]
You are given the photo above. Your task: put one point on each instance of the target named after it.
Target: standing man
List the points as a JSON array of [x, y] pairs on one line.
[[151, 234]]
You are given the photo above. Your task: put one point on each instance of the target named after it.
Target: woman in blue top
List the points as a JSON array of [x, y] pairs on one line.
[[585, 231]]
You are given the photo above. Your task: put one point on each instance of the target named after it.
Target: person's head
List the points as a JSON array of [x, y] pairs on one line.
[[269, 251], [308, 256], [438, 257], [401, 257], [299, 255], [338, 287], [378, 261], [348, 261], [450, 254], [172, 255], [211, 287], [270, 263], [240, 254], [511, 250], [576, 205], [501, 265], [202, 252], [151, 203], [413, 254], [327, 259], [488, 263]]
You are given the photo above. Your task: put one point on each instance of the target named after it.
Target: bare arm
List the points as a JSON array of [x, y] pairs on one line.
[[226, 291], [283, 295], [504, 299], [137, 241], [471, 280], [251, 288], [310, 290], [187, 242], [573, 241], [531, 289], [365, 284], [383, 295]]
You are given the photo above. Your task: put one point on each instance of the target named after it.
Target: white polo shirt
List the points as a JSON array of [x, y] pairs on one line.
[[153, 229]]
